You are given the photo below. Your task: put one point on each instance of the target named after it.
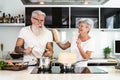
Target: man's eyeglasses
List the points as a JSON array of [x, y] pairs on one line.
[[38, 19]]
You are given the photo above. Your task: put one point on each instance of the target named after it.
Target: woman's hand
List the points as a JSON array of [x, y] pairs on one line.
[[56, 35], [78, 42], [47, 53], [28, 50]]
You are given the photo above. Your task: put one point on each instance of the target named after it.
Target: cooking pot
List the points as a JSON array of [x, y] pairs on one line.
[[68, 67], [44, 63]]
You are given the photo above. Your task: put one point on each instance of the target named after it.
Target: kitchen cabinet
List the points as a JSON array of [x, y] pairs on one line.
[[64, 17], [110, 18], [84, 12], [56, 17], [68, 17]]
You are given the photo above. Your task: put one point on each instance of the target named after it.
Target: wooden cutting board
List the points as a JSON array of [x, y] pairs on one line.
[[15, 68]]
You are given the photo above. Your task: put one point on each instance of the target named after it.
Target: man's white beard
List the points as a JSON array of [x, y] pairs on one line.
[[37, 31]]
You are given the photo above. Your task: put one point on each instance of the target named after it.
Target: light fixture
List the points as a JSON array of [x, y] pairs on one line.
[[86, 2], [42, 2], [64, 2]]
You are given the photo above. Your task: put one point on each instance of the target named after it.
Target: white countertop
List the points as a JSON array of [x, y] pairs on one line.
[[25, 75], [102, 61], [99, 60]]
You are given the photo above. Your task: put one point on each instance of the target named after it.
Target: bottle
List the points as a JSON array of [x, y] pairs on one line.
[[0, 16], [19, 18], [22, 19], [6, 18], [0, 19], [1, 46], [9, 18], [12, 19], [3, 18], [15, 19]]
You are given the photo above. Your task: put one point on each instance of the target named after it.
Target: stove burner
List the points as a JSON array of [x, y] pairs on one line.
[[57, 68], [77, 70]]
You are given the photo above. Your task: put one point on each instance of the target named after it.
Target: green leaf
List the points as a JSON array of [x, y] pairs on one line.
[[107, 50]]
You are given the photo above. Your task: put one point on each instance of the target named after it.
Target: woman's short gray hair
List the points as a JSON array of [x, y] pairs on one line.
[[38, 12], [87, 21]]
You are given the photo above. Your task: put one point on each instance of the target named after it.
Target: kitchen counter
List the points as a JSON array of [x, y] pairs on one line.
[[25, 75], [102, 62], [91, 62]]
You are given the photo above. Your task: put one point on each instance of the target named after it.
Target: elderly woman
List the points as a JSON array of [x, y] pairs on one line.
[[81, 44]]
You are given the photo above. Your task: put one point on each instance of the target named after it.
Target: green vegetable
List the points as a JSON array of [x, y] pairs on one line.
[[3, 64]]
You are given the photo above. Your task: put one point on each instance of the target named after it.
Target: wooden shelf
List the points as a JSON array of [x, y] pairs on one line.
[[12, 24]]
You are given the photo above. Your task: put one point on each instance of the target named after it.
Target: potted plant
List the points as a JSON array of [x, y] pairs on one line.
[[107, 52]]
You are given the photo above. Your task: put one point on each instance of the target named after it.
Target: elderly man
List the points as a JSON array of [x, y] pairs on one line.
[[35, 41]]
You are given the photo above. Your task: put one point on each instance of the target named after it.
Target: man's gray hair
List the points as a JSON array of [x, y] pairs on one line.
[[38, 12], [87, 21]]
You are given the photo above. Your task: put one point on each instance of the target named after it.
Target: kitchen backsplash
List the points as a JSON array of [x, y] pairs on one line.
[[102, 39]]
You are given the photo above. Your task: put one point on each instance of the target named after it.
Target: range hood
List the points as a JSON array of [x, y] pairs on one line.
[[64, 2]]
